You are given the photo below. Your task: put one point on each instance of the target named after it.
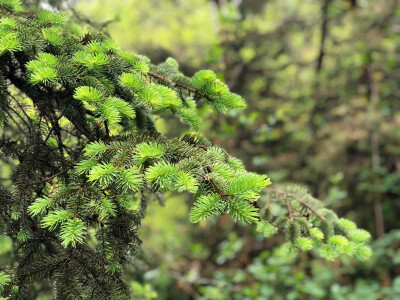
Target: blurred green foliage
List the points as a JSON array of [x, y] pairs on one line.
[[189, 30]]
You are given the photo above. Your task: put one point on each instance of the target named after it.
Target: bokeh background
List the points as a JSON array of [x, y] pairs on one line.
[[322, 83]]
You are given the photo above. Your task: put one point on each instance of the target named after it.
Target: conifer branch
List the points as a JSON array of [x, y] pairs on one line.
[[285, 195], [48, 179], [15, 122], [21, 118], [310, 208], [174, 83], [288, 206]]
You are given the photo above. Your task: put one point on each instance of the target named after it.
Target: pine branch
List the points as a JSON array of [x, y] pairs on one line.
[[174, 83], [310, 208], [288, 206]]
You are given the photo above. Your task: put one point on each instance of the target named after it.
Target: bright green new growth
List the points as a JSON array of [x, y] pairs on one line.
[[85, 166], [23, 235], [43, 75], [105, 208], [113, 109], [131, 81], [304, 243], [88, 93], [91, 60], [129, 180], [186, 182], [13, 5], [206, 206], [242, 211], [52, 36], [95, 149], [150, 150], [5, 279], [123, 108], [266, 228], [103, 174], [53, 219], [161, 175], [359, 235], [316, 234], [8, 37], [40, 206], [190, 170], [248, 185], [9, 44], [48, 17], [73, 232]]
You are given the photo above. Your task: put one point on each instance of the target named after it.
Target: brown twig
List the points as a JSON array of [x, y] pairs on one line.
[[174, 83], [310, 208], [288, 206], [302, 202], [324, 32], [56, 175]]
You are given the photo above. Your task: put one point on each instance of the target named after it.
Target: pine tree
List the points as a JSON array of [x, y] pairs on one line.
[[78, 119]]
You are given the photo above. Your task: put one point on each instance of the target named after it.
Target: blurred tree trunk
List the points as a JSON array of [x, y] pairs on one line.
[[324, 31], [375, 154]]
